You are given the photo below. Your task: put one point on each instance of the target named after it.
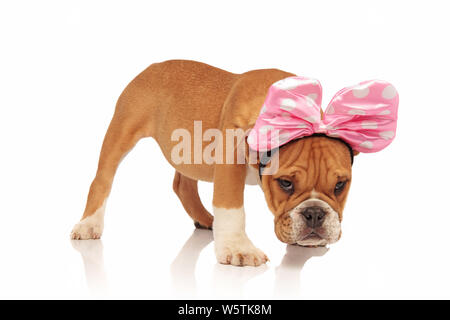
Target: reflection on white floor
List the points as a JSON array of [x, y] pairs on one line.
[[91, 252], [288, 273], [183, 267], [228, 281]]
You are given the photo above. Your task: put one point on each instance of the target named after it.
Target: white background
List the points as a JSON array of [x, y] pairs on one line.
[[63, 64]]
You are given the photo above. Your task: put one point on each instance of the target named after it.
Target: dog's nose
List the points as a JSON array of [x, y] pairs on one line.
[[314, 216]]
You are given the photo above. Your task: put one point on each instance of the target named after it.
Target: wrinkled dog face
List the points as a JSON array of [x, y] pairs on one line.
[[308, 192]]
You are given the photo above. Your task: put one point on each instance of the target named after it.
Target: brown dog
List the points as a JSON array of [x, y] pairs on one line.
[[306, 194]]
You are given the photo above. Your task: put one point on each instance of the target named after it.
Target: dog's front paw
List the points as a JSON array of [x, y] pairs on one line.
[[87, 229], [239, 251]]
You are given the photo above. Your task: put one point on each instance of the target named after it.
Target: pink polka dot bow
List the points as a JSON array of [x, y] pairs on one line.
[[364, 115]]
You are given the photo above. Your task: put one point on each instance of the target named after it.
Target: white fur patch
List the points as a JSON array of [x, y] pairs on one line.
[[314, 194], [90, 227], [232, 246]]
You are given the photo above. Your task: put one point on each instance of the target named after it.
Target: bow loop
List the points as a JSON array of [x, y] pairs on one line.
[[364, 116], [291, 109]]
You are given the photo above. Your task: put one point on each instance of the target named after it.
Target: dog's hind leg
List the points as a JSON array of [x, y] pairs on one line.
[[121, 137], [186, 189]]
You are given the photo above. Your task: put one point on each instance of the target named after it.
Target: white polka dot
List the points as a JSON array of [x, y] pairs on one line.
[[287, 104], [302, 126], [384, 112], [313, 82], [360, 107], [367, 144], [265, 129], [309, 102], [263, 109], [356, 111], [389, 92], [311, 119], [330, 110], [325, 127], [333, 134], [369, 125], [288, 83], [361, 92], [294, 82], [312, 96], [387, 135], [310, 99]]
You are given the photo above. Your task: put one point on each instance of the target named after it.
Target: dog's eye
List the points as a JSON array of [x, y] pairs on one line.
[[339, 187], [286, 185]]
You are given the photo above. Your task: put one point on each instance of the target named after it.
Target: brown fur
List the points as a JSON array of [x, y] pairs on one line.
[[186, 190], [171, 95]]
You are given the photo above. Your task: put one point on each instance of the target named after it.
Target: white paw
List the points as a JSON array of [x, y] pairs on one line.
[[87, 229], [239, 251], [90, 227]]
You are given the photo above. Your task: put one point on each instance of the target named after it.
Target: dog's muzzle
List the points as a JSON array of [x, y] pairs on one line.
[[312, 223]]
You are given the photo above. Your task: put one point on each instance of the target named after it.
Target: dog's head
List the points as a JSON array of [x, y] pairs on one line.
[[307, 192], [308, 187]]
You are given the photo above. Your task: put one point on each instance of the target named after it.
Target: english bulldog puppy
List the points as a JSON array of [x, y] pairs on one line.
[[280, 116]]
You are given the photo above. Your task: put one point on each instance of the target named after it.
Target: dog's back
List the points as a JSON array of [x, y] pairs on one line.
[[174, 93], [171, 95]]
